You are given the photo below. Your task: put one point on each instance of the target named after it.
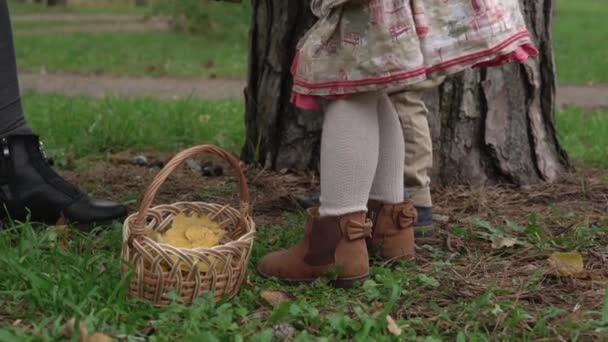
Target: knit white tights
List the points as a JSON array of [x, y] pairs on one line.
[[388, 181], [357, 131]]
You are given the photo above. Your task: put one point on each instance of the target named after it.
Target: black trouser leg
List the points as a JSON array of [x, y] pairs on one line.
[[12, 120]]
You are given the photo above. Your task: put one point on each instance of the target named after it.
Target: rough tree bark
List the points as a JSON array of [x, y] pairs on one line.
[[54, 2], [494, 125]]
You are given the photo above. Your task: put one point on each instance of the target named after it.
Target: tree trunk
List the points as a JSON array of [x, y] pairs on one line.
[[488, 125], [56, 2]]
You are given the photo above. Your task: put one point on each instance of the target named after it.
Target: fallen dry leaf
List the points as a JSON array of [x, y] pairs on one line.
[[569, 264], [249, 283], [441, 218], [98, 337], [283, 331], [62, 236], [83, 334], [275, 298], [68, 329], [500, 241], [392, 326]]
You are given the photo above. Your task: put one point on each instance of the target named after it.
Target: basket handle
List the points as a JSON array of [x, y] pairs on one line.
[[148, 197]]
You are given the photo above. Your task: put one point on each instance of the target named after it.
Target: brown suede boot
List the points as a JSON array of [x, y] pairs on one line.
[[331, 244], [393, 229]]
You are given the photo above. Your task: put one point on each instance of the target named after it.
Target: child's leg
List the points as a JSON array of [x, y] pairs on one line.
[[413, 115], [418, 146], [334, 239], [393, 218], [388, 182], [349, 154]]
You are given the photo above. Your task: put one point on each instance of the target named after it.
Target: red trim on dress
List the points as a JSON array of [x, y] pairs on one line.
[[310, 102]]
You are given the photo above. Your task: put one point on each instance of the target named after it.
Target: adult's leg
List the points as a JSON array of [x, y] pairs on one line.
[[12, 120], [29, 187]]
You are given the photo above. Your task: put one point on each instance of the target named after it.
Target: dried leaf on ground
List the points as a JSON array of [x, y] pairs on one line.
[[83, 334], [283, 331], [569, 264], [98, 337], [68, 329], [60, 235], [275, 297], [443, 219], [392, 326], [193, 165], [499, 242]]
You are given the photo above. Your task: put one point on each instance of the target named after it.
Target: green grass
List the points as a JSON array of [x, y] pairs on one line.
[[82, 126], [441, 297], [135, 53], [24, 8], [584, 135], [580, 34], [220, 51], [44, 285]]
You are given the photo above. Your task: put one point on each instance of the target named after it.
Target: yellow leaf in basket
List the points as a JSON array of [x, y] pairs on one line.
[[203, 237], [178, 242], [184, 221], [176, 231], [154, 235], [204, 267], [193, 232], [176, 238], [196, 231]]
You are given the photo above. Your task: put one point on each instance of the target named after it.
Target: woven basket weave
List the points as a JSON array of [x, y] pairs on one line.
[[161, 269]]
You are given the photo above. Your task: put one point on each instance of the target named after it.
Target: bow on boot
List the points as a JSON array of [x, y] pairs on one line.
[[393, 230], [330, 245]]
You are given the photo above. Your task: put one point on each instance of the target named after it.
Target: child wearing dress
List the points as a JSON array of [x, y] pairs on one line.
[[355, 55]]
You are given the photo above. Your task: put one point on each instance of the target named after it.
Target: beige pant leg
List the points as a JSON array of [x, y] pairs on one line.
[[418, 144]]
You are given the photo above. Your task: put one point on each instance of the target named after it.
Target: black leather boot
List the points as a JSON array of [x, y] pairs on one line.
[[29, 186]]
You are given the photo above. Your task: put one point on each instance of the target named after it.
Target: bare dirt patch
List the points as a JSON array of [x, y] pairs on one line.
[[76, 17], [119, 26], [584, 96], [105, 85], [592, 97]]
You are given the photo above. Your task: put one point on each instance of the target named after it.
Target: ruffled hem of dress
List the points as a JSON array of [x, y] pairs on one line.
[[490, 59]]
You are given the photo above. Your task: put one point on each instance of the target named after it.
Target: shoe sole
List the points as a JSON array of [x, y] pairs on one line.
[[341, 283]]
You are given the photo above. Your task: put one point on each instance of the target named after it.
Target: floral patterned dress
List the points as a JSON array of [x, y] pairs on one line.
[[368, 45]]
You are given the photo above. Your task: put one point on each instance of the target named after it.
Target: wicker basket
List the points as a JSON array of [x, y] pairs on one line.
[[160, 268]]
